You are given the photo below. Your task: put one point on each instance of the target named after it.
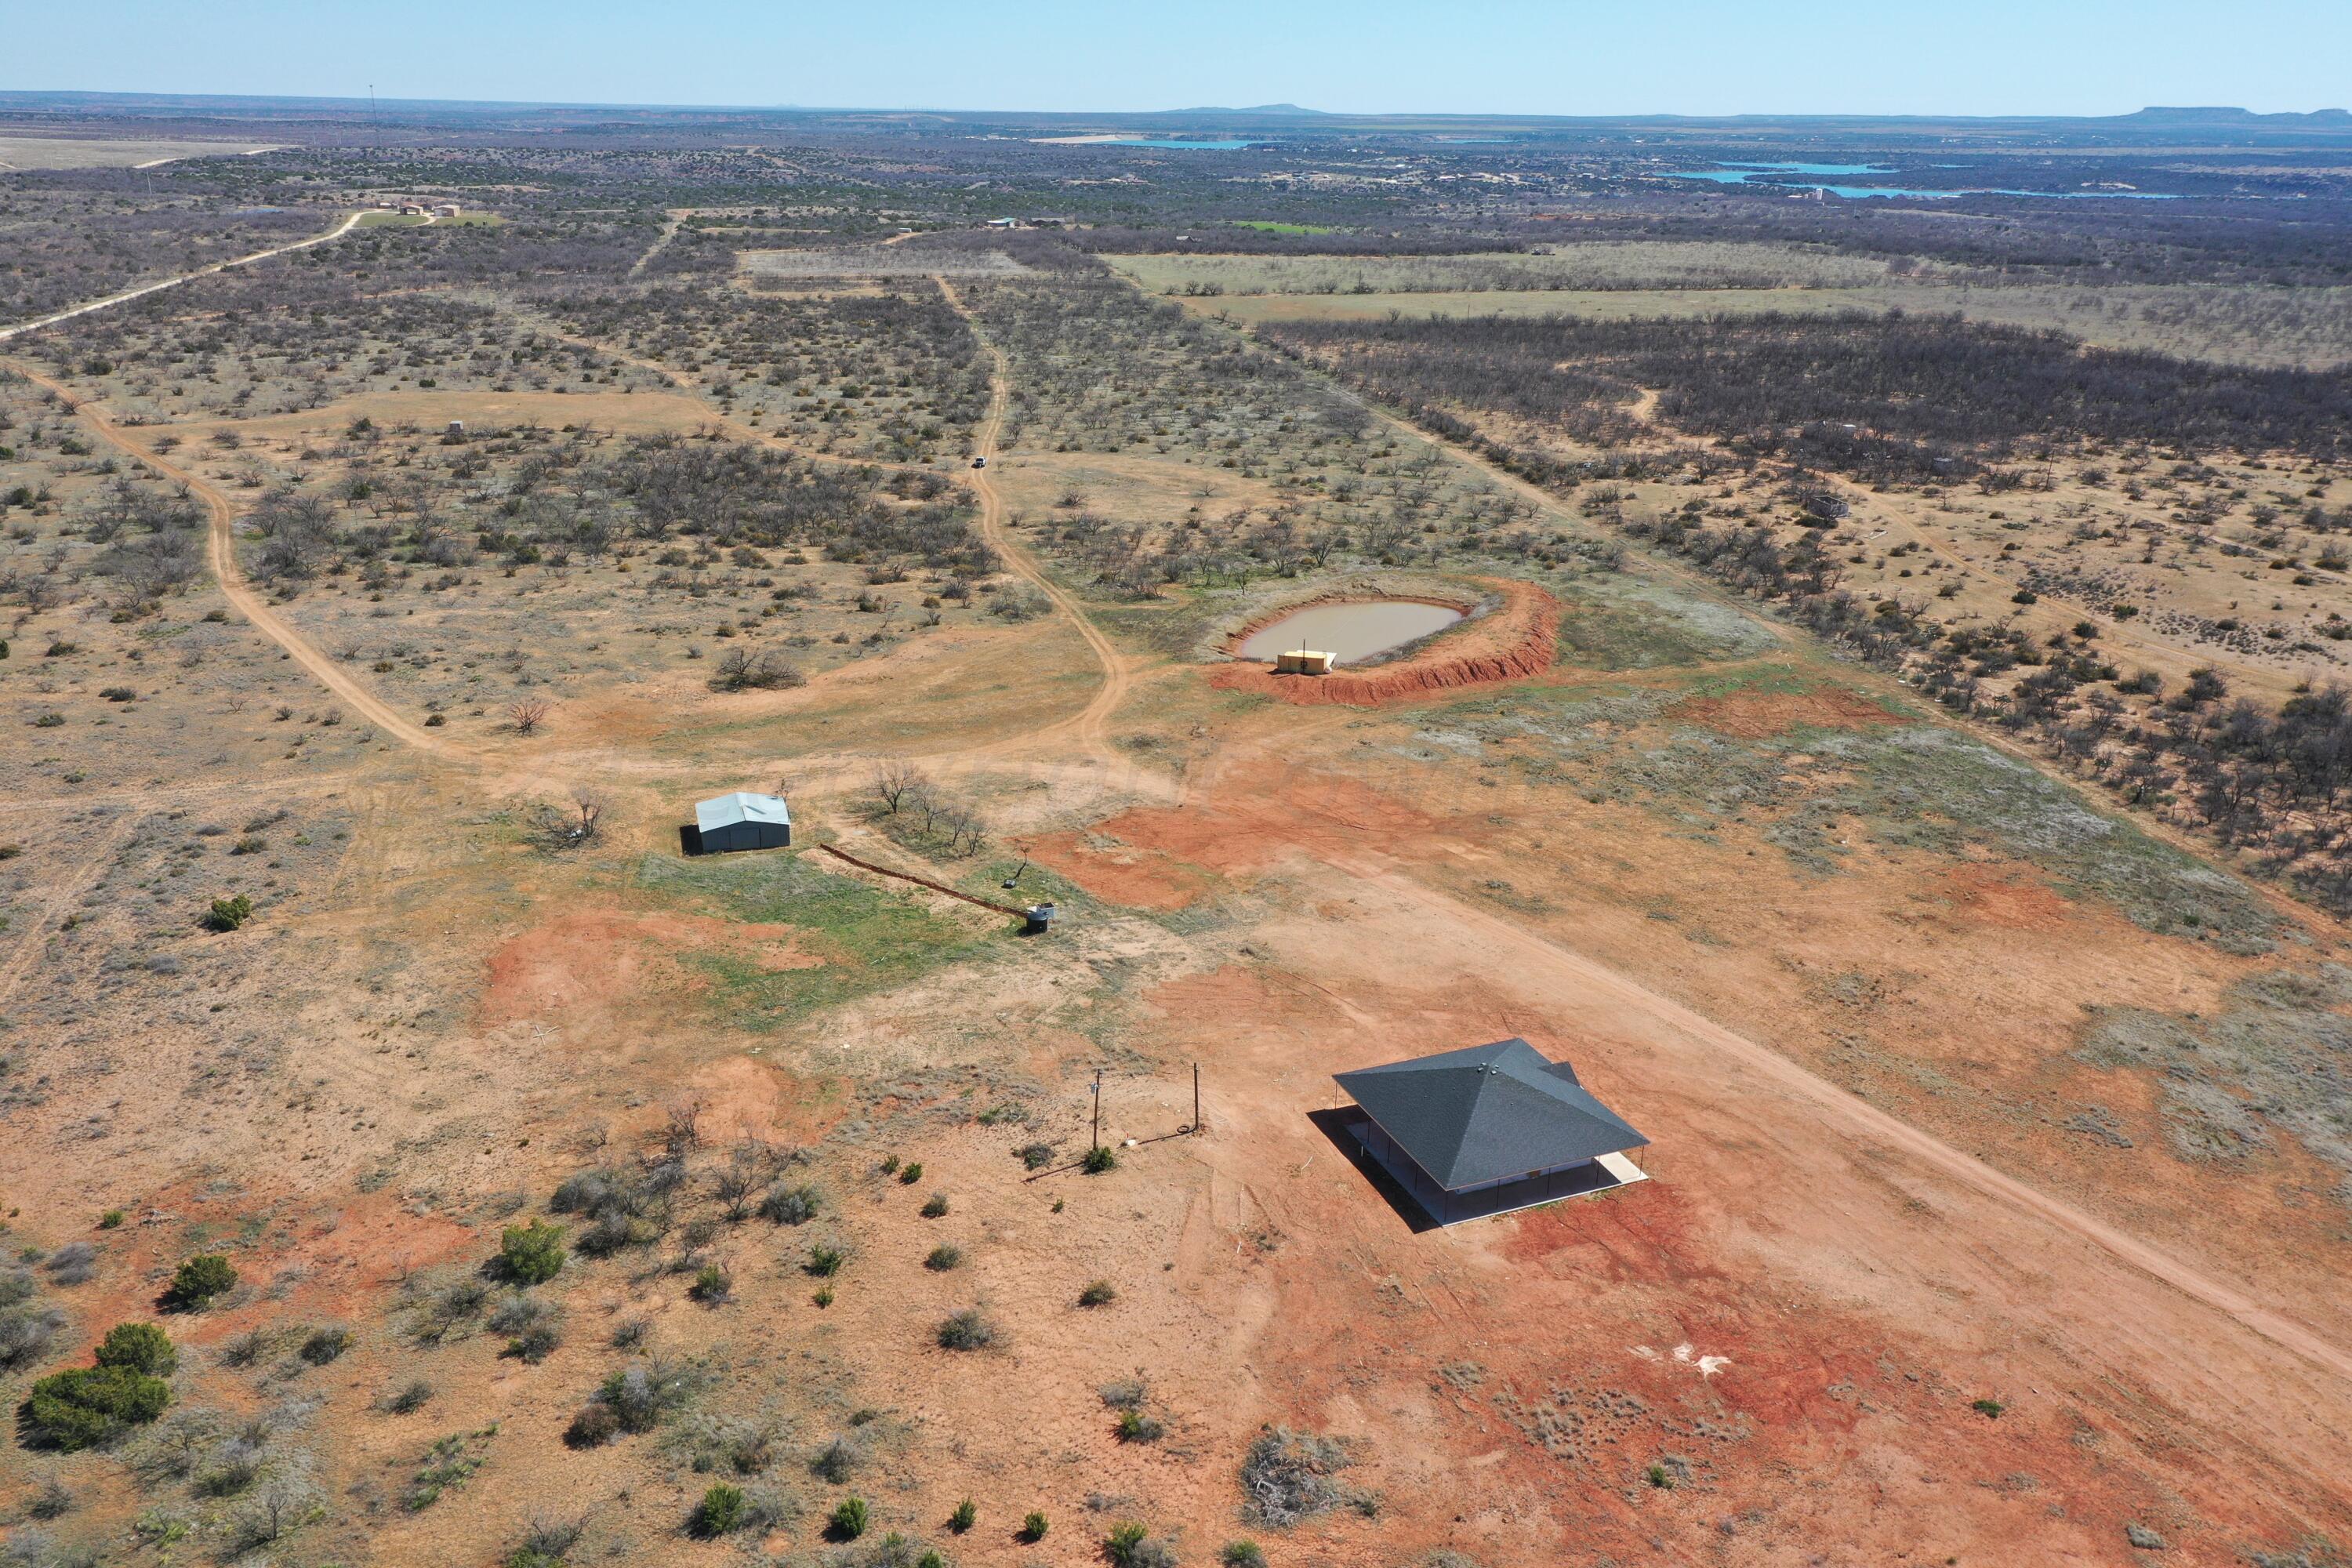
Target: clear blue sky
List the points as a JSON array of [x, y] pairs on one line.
[[1567, 57]]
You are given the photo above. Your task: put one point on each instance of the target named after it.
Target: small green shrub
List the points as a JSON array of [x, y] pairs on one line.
[[91, 1405], [823, 1297], [111, 1219], [196, 1281], [1037, 1156], [712, 1285], [967, 1331], [531, 1254], [824, 1261], [911, 1175], [1242, 1554], [1989, 1409], [1661, 1477], [1099, 1159], [1098, 1293], [139, 1347], [322, 1345], [966, 1515], [719, 1512], [1122, 1544], [228, 914], [1135, 1426], [943, 1258], [849, 1519], [1034, 1528], [935, 1206]]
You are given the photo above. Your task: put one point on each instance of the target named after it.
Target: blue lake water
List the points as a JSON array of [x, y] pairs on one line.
[[1761, 175], [1153, 142]]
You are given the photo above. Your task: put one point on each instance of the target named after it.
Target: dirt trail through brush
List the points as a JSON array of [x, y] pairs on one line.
[[1090, 727], [221, 553], [144, 290]]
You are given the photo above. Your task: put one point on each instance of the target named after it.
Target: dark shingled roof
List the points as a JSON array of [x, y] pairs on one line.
[[1487, 1112]]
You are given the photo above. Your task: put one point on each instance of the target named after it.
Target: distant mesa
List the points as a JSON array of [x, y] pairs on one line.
[[1254, 109]]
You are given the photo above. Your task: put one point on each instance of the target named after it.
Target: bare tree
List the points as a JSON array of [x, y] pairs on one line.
[[894, 779], [684, 1131], [529, 714], [559, 829]]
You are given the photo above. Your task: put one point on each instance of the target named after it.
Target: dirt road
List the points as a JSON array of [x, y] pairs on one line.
[[1859, 1118], [144, 290], [221, 551], [1090, 727]]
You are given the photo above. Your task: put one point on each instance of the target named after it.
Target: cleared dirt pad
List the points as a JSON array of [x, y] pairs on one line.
[[1758, 715]]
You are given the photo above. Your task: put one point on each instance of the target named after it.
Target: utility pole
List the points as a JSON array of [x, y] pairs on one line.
[[1198, 1127], [1098, 1142]]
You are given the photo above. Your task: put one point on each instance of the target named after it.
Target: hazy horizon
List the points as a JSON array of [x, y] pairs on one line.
[[1711, 59]]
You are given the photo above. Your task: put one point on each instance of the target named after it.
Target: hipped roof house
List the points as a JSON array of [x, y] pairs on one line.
[[1487, 1129]]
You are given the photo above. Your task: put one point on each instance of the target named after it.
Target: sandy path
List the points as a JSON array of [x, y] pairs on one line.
[[661, 243], [1090, 727], [221, 551], [144, 290]]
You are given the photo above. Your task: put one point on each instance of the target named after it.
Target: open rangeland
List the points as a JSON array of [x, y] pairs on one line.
[[376, 621]]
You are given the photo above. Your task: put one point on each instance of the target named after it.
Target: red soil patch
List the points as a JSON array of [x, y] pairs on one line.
[[2009, 897], [594, 958], [1125, 874], [1758, 715], [1245, 828], [1518, 639]]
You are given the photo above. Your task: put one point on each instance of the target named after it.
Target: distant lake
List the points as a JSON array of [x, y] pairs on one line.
[[1762, 175], [1152, 141]]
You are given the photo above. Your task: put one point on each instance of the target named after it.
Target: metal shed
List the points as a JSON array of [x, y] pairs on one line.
[[742, 821], [1489, 1129]]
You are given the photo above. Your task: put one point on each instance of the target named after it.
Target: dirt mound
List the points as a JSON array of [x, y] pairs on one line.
[[1520, 638], [1759, 715]]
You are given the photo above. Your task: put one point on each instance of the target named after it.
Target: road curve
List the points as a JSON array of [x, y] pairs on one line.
[[144, 290], [221, 552], [1090, 727]]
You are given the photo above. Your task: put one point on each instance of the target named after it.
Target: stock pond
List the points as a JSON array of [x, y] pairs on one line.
[[1779, 175], [1350, 632]]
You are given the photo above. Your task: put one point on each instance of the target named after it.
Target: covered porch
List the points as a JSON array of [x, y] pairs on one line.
[[1366, 1142]]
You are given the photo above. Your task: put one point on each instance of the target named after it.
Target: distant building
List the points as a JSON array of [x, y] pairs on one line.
[[445, 209], [742, 821]]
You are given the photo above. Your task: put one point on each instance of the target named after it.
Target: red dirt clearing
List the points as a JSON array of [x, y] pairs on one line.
[[1759, 715]]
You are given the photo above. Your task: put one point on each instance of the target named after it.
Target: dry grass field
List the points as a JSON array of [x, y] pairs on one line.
[[93, 153], [586, 1201], [2299, 328]]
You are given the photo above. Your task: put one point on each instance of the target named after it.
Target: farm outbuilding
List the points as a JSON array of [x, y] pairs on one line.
[[1488, 1128], [742, 821]]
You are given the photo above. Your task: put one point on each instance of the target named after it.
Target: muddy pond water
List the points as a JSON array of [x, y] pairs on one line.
[[1349, 633]]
